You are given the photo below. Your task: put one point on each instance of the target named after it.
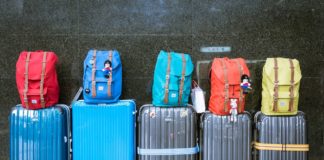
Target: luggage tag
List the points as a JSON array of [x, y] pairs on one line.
[[198, 98]]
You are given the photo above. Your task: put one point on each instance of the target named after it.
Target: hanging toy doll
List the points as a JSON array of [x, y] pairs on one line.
[[245, 84], [107, 68], [233, 110]]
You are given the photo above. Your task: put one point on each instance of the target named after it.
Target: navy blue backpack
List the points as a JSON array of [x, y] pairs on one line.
[[102, 77]]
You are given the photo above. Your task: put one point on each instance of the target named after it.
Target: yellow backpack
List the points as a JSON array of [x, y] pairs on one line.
[[280, 86]]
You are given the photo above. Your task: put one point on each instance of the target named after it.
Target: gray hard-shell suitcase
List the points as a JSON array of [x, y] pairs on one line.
[[282, 130], [222, 139], [167, 133]]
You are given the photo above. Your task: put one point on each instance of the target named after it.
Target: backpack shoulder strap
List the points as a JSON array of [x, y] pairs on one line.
[[276, 85], [241, 91], [167, 78], [26, 80], [292, 83], [111, 74], [182, 78], [93, 76], [42, 81], [226, 85]]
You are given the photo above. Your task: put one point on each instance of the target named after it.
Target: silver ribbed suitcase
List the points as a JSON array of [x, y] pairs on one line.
[[222, 139], [282, 131], [167, 133]]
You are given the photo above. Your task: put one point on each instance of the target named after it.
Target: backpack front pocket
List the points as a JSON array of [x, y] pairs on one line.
[[173, 94], [34, 98], [102, 89], [283, 102]]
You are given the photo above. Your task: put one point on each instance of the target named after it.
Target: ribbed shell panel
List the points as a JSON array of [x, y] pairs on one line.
[[222, 139], [281, 130], [104, 131], [39, 134], [167, 128]]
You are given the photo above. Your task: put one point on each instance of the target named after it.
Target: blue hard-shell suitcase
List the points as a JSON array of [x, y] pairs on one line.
[[103, 131], [40, 134]]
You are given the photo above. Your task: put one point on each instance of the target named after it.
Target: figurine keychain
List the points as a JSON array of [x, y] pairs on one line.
[[107, 68], [233, 110], [246, 84]]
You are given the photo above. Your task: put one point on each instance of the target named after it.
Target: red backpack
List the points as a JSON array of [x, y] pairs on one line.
[[36, 79], [226, 85]]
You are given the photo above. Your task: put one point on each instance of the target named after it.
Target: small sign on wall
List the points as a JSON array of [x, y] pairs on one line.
[[215, 49]]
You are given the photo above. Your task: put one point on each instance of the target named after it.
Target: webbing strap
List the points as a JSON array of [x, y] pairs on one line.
[[241, 91], [292, 83], [93, 77], [26, 80], [167, 78], [276, 83], [42, 81], [182, 78], [110, 77], [281, 147], [169, 152], [226, 85]]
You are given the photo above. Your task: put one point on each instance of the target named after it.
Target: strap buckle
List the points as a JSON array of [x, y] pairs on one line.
[[167, 77], [180, 89]]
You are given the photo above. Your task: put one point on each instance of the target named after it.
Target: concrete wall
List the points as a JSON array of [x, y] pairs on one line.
[[254, 29]]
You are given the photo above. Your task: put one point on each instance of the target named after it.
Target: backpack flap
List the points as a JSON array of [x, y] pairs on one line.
[[101, 57], [234, 69], [284, 71], [177, 65]]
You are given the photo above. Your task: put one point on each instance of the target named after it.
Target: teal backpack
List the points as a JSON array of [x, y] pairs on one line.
[[172, 79]]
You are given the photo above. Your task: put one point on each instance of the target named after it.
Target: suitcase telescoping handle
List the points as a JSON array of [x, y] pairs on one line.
[[77, 95]]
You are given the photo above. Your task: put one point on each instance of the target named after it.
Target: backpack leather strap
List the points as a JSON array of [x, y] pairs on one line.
[[42, 81], [241, 91], [167, 78], [292, 83], [26, 80], [226, 85], [110, 77], [182, 78], [93, 77], [276, 85]]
